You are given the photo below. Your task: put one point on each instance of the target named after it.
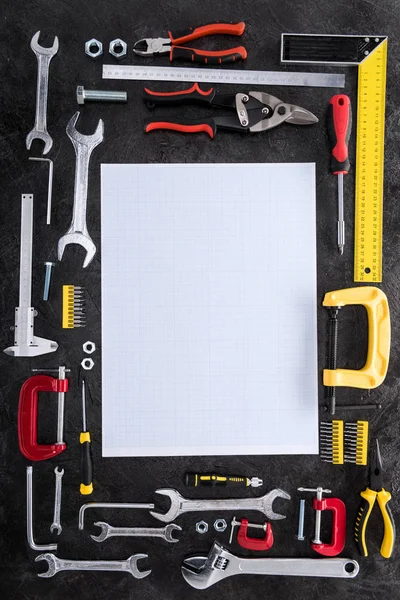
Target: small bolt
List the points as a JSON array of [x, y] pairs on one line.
[[300, 532], [49, 266], [366, 52], [244, 122], [83, 95], [281, 110], [376, 40], [367, 39]]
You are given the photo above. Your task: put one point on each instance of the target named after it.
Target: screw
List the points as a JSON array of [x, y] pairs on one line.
[[83, 95], [49, 266], [300, 532]]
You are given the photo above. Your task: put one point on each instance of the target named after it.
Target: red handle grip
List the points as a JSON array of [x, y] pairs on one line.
[[185, 126], [192, 95], [338, 541], [182, 37], [27, 416], [339, 127], [208, 57]]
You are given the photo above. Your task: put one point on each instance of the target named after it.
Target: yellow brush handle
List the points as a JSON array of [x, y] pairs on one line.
[[389, 534]]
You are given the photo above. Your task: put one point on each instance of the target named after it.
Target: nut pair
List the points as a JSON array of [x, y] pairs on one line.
[[117, 48], [89, 348], [219, 525]]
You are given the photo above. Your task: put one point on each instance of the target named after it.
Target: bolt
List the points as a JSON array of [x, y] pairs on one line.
[[83, 95], [49, 266], [281, 110], [300, 532]]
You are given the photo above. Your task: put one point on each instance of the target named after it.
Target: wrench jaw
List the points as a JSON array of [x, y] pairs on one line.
[[168, 532], [132, 561], [81, 239], [52, 565], [174, 510], [103, 534], [75, 136], [38, 49], [201, 572], [269, 500], [39, 135]]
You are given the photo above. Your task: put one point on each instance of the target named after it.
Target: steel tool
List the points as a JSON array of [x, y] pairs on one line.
[[73, 306], [339, 127], [375, 491], [215, 480], [56, 525], [107, 531], [49, 187], [356, 442], [242, 77], [338, 509], [331, 437], [29, 516], [25, 341], [44, 56], [300, 530], [78, 232], [28, 413], [180, 505], [83, 95], [251, 543], [55, 565], [253, 111], [373, 373], [174, 45], [138, 505], [49, 265], [201, 572]]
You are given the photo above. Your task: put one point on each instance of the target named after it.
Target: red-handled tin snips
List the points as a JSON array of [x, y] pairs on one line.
[[28, 414]]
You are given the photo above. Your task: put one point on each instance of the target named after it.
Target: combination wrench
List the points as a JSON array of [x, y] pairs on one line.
[[44, 56], [55, 565], [56, 525], [78, 232], [107, 531], [180, 505]]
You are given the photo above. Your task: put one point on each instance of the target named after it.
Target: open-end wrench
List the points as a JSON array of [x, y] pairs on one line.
[[44, 56], [201, 572], [57, 502], [108, 531], [64, 564], [77, 232], [180, 505]]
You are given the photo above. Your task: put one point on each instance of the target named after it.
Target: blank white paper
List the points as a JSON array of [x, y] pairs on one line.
[[209, 309]]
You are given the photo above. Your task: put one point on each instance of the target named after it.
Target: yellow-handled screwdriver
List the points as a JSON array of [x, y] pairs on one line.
[[215, 480], [86, 460]]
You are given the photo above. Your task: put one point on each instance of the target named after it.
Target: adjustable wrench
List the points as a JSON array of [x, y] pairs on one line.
[[84, 146], [108, 531], [57, 502], [180, 505], [63, 564], [44, 56]]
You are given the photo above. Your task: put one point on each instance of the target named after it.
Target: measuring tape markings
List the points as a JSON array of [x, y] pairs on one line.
[[368, 234]]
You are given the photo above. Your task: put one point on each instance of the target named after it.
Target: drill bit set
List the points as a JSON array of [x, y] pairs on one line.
[[74, 307], [344, 442]]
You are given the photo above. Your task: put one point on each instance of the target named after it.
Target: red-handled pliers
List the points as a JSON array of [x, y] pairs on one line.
[[246, 112], [174, 45]]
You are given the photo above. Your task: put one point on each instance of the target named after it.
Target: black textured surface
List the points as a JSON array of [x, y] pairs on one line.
[[127, 480]]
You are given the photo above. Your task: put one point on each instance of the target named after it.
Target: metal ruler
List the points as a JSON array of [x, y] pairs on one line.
[[370, 140], [240, 77]]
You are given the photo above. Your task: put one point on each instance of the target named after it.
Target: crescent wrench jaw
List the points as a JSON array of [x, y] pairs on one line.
[[103, 533], [174, 510], [37, 48], [133, 565], [79, 238], [34, 134], [168, 532], [51, 562], [268, 501]]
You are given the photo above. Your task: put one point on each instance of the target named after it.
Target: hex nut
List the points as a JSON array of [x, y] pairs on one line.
[[87, 364], [201, 527], [117, 48], [93, 48], [89, 347], [220, 525]]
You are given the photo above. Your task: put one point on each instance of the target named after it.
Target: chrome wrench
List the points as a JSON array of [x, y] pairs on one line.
[[202, 572], [57, 502], [56, 565], [44, 56], [84, 146], [180, 505], [107, 531]]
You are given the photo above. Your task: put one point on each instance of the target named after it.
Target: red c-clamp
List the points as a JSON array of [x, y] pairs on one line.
[[28, 412], [249, 543]]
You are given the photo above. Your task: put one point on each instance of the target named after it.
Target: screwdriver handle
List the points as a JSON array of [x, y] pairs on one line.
[[215, 480], [339, 129], [86, 487]]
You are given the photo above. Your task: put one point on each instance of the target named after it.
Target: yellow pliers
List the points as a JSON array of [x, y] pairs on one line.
[[369, 495]]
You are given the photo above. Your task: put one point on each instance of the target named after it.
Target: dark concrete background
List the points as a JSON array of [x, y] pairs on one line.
[[130, 479]]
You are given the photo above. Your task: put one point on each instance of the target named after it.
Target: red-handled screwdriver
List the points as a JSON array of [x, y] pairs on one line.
[[339, 127]]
